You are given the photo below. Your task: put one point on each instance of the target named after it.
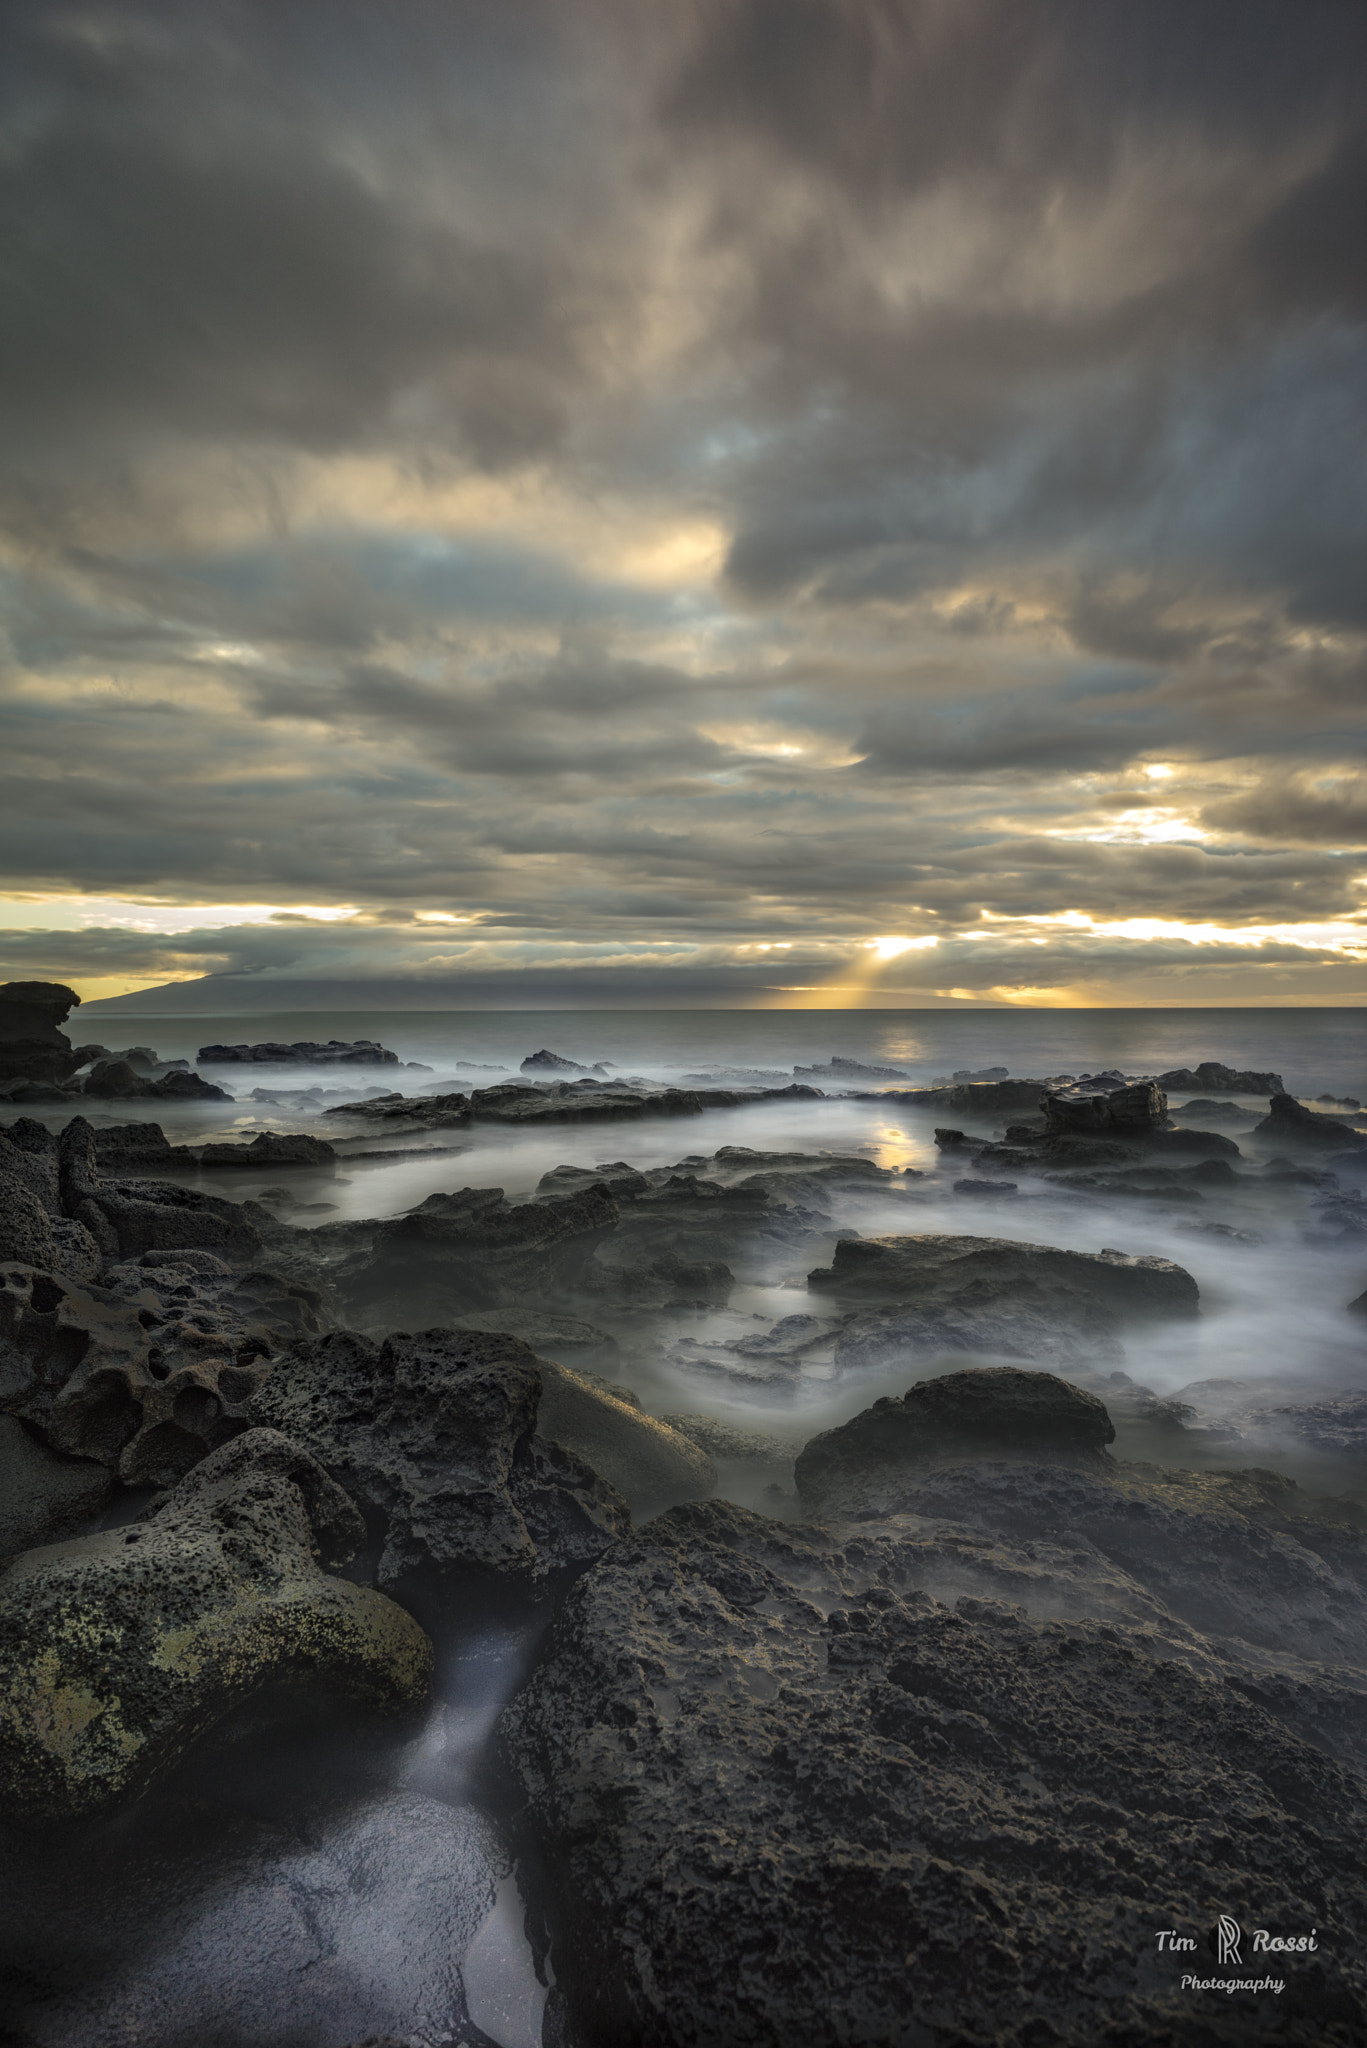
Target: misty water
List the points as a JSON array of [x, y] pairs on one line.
[[1276, 1269]]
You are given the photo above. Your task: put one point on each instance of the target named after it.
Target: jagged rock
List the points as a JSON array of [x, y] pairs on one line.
[[1221, 1080], [436, 1111], [435, 1436], [935, 1267], [271, 1148], [987, 1412], [208, 1923], [129, 1217], [31, 1046], [1288, 1122], [139, 1387], [33, 1228], [176, 1087], [42, 1496], [338, 1052], [118, 1651], [1105, 1103], [119, 1080], [915, 1822], [545, 1062], [121, 1147], [838, 1069], [472, 1249], [651, 1465]]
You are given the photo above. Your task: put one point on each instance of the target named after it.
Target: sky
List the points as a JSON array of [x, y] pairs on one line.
[[774, 502]]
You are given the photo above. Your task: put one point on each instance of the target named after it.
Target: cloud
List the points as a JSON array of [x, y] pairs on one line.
[[695, 479]]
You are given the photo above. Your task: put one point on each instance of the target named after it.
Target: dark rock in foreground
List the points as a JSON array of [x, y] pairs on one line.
[[787, 1786], [338, 1052], [985, 1412], [31, 1046], [118, 1651], [435, 1437], [44, 1496]]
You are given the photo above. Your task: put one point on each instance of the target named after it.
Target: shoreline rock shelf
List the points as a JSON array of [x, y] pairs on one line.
[[337, 1052]]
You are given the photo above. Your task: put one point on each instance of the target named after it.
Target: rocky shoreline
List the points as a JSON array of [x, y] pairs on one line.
[[1015, 1668]]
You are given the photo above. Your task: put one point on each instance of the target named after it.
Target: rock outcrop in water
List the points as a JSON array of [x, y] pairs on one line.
[[31, 1046], [1105, 1103], [1218, 1079], [117, 1651], [1289, 1123], [338, 1052]]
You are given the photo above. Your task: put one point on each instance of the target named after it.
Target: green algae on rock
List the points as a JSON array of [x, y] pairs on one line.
[[118, 1651]]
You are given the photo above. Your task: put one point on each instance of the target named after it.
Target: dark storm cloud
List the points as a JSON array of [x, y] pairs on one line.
[[928, 434]]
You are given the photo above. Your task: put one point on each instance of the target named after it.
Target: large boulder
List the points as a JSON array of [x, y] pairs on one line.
[[651, 1465], [992, 1411], [1290, 1123], [119, 1080], [1107, 1104], [118, 1651], [31, 1046], [778, 1791], [210, 1922], [436, 1436]]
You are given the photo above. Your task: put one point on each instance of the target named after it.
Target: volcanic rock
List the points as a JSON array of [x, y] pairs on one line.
[[545, 1062], [919, 1820], [34, 1230], [362, 1052], [992, 1411], [271, 1148], [117, 1651], [31, 1046], [436, 1111], [473, 1249], [129, 1217], [934, 1267], [120, 1378], [1218, 1079], [1288, 1122], [435, 1436], [1106, 1103], [42, 1496], [838, 1069]]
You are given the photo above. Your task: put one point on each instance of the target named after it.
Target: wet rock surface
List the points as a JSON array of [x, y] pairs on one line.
[[649, 1463], [117, 1651], [215, 1926], [1105, 1102], [435, 1436], [779, 1784], [963, 1414]]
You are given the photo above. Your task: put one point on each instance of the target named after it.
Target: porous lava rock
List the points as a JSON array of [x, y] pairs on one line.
[[34, 1230], [144, 1375], [127, 1217], [775, 1790], [118, 1651], [980, 1412], [435, 1435]]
